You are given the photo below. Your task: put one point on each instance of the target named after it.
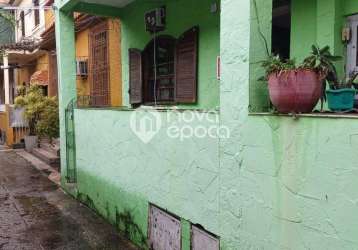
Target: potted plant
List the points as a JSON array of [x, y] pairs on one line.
[[341, 95], [355, 85], [41, 113], [297, 89]]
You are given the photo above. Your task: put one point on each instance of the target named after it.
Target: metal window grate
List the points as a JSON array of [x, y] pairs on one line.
[[99, 64]]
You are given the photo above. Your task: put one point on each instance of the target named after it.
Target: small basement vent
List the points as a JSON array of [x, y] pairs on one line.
[[164, 230], [201, 240]]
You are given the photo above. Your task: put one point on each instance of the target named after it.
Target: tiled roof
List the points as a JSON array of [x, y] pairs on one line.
[[40, 78], [24, 45]]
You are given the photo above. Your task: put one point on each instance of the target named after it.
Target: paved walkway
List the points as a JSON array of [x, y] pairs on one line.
[[36, 214]]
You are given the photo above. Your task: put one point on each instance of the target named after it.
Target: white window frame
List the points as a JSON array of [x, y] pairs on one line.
[[352, 45]]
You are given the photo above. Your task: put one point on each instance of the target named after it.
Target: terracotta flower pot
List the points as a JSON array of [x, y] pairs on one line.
[[295, 91]]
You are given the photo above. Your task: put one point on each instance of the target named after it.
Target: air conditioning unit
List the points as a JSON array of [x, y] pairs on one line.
[[155, 20], [82, 68]]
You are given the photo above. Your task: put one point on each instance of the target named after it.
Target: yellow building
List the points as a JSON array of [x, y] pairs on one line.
[[98, 58], [34, 61], [26, 61]]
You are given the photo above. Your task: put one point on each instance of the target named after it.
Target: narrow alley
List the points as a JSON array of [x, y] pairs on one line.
[[36, 214]]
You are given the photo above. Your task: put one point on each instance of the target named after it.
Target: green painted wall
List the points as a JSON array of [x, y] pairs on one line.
[[119, 174], [304, 15], [350, 7], [65, 45], [260, 20], [313, 22], [276, 183], [284, 183], [181, 16]]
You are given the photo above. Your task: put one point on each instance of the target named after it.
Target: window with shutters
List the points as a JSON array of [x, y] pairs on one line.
[[165, 72], [158, 70]]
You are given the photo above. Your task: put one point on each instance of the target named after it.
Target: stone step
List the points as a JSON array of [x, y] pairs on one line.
[[47, 156], [53, 148]]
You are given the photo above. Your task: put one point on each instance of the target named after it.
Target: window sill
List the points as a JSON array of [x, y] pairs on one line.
[[148, 108], [309, 115]]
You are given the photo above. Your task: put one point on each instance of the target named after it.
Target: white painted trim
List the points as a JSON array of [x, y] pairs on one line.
[[352, 46], [6, 79]]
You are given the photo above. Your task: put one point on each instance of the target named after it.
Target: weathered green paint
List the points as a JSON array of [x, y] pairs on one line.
[[121, 173], [66, 5], [276, 183], [181, 16], [71, 174], [98, 9], [260, 20], [186, 234], [304, 16], [65, 40], [350, 7], [313, 22], [285, 183]]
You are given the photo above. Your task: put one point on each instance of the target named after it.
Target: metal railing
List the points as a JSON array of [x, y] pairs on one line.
[[93, 101]]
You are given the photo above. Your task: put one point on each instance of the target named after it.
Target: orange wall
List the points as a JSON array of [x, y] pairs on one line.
[[24, 74], [82, 51], [42, 63], [49, 18], [115, 62], [5, 126]]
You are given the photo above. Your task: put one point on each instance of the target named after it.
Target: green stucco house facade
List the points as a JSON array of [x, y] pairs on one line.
[[273, 182]]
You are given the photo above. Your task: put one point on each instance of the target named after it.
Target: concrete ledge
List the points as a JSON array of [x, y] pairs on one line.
[[310, 115]]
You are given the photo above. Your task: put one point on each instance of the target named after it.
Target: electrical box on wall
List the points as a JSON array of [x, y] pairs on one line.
[[346, 34], [164, 230], [155, 20]]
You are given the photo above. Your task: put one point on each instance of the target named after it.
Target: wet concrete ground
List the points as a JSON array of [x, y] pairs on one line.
[[36, 214]]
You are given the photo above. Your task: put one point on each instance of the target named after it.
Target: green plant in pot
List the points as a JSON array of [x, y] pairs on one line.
[[40, 111], [298, 88], [341, 95], [355, 85]]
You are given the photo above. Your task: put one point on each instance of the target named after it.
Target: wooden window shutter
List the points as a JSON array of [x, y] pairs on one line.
[[135, 76], [186, 67]]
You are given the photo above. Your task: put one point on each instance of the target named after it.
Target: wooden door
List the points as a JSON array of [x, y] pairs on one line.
[[53, 76], [99, 65]]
